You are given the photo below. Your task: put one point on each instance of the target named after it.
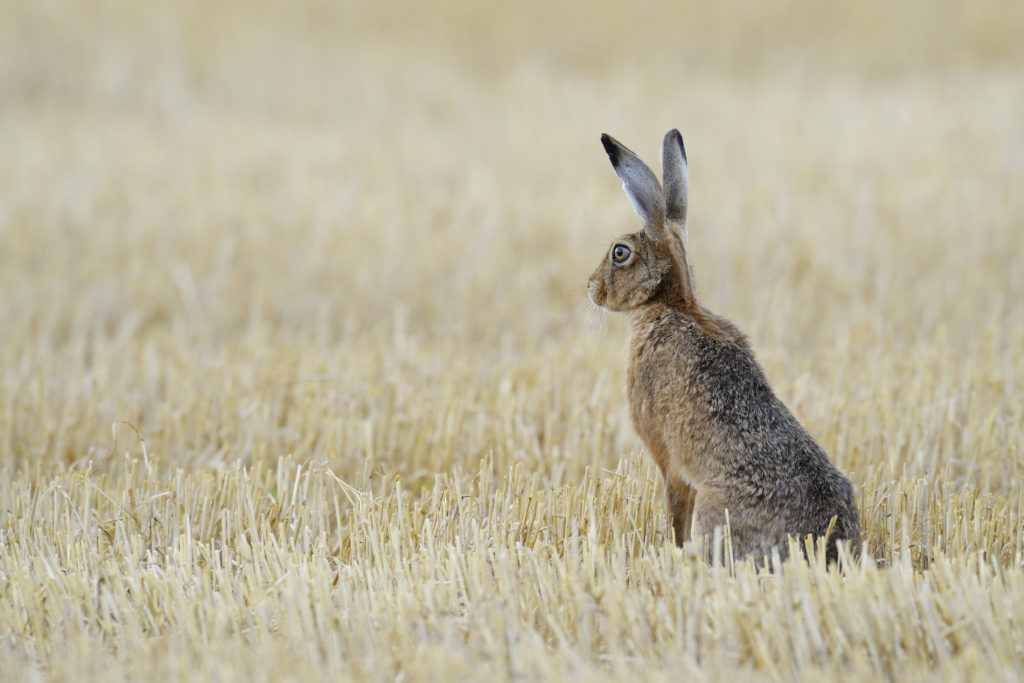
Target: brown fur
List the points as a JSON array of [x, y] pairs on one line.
[[699, 400]]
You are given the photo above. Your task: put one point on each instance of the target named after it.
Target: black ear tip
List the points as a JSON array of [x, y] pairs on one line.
[[610, 147], [678, 137]]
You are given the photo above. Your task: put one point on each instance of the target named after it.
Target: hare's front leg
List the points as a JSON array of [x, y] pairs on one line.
[[681, 499]]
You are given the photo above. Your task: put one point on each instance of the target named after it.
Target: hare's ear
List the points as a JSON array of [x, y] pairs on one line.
[[640, 184], [677, 180]]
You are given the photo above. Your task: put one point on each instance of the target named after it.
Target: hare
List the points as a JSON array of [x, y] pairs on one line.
[[728, 448]]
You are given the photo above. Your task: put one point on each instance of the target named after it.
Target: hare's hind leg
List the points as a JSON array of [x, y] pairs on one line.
[[708, 514], [681, 499], [714, 508]]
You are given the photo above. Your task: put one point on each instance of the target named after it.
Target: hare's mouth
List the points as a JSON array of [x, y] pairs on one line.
[[598, 294]]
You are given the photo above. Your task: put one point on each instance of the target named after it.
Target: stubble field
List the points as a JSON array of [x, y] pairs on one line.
[[298, 379]]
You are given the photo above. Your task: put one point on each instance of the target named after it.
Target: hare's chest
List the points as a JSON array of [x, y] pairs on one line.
[[642, 392], [653, 393], [660, 393]]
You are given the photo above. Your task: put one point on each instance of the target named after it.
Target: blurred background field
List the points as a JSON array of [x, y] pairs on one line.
[[323, 265]]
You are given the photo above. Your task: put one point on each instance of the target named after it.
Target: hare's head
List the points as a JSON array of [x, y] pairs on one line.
[[652, 262]]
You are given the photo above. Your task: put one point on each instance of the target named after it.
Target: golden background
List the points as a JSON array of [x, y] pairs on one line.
[[322, 266]]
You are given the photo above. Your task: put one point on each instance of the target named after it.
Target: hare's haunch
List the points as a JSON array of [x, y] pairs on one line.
[[725, 443]]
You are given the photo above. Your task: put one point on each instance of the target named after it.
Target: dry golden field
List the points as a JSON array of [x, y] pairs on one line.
[[298, 379]]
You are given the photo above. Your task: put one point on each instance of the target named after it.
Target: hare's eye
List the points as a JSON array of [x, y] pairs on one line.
[[620, 253]]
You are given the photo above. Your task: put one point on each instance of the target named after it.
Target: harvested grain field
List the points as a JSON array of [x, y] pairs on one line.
[[298, 377]]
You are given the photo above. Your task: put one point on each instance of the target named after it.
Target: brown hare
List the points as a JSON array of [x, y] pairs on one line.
[[726, 445]]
